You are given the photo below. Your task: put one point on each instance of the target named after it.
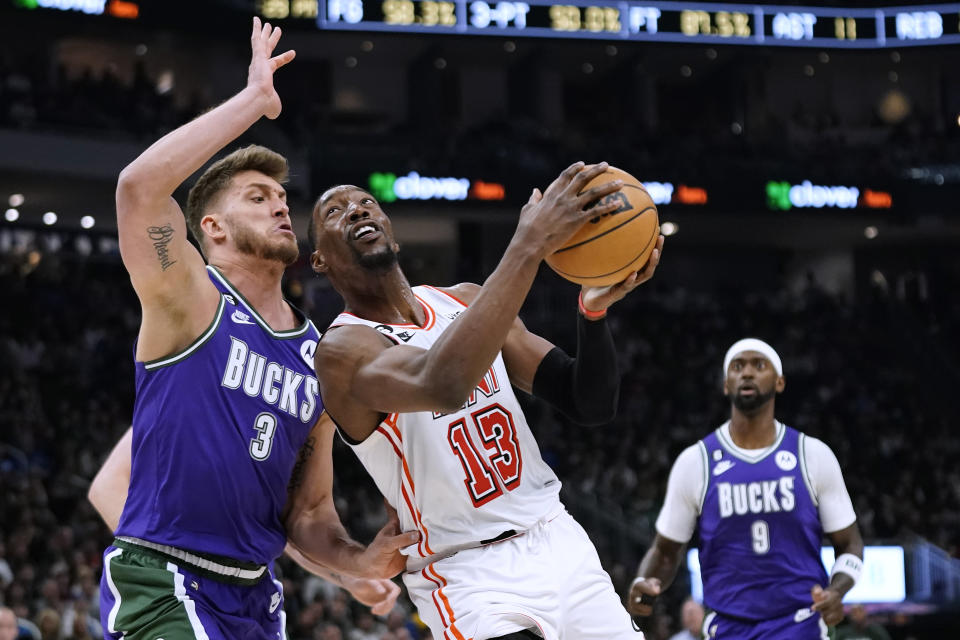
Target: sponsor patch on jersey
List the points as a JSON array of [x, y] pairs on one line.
[[307, 349], [786, 460]]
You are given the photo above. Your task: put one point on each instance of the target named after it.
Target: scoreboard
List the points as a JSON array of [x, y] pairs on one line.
[[640, 21]]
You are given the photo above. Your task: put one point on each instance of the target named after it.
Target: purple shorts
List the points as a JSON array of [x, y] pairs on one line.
[[803, 624]]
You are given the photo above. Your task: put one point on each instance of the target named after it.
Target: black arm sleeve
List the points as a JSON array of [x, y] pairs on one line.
[[585, 388]]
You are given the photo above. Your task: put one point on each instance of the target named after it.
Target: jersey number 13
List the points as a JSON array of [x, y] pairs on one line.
[[488, 475]]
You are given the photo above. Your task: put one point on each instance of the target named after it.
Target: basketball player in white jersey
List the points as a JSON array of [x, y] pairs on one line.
[[419, 379]]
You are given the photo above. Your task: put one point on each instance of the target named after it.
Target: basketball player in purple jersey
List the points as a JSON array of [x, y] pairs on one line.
[[420, 383], [228, 414], [763, 495]]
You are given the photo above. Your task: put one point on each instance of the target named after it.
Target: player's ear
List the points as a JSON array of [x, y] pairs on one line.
[[780, 384], [726, 389], [213, 227], [317, 262]]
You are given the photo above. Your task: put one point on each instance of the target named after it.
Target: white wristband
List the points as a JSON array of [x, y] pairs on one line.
[[849, 564]]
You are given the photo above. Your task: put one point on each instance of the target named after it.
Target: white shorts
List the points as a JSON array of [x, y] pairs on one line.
[[548, 580]]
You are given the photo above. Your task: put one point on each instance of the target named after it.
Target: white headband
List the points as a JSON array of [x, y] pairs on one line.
[[752, 344]]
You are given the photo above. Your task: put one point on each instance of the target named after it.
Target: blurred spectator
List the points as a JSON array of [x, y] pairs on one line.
[[66, 393], [48, 621], [8, 624], [691, 617], [858, 626]]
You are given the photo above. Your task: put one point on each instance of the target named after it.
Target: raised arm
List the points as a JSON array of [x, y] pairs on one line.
[[313, 525], [358, 366], [167, 273]]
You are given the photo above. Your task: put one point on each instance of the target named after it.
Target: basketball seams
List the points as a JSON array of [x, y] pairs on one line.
[[616, 241], [605, 275], [606, 231]]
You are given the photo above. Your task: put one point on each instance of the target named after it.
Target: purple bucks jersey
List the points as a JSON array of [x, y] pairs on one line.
[[760, 530], [216, 431]]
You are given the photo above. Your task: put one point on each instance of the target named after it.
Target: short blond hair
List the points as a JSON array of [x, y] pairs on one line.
[[217, 178]]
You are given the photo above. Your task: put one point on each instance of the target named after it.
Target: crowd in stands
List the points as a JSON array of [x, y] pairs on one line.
[[37, 93], [868, 373], [854, 380]]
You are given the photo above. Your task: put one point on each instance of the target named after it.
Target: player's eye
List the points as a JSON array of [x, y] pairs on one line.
[[258, 198]]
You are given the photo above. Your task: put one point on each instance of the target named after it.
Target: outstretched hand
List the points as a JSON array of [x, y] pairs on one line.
[[600, 298], [263, 40], [382, 557]]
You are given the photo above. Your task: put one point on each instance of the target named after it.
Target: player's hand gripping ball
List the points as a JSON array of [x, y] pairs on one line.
[[610, 247]]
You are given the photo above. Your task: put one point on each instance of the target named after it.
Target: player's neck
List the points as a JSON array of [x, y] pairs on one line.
[[753, 431], [258, 281], [384, 297]]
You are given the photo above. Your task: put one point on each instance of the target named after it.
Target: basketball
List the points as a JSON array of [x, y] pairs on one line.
[[610, 247]]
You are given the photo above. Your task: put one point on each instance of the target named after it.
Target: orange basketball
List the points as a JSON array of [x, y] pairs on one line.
[[608, 248]]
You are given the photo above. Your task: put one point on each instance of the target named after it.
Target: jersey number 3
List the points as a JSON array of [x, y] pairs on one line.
[[487, 476], [262, 443]]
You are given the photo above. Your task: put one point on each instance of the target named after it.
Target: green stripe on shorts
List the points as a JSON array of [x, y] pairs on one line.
[[151, 598]]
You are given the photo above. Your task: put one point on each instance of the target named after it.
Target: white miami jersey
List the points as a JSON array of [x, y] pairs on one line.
[[460, 478]]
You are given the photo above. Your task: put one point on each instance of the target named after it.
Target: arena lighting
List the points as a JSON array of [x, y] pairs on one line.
[[783, 196], [487, 190], [413, 186], [387, 187], [876, 199], [123, 9], [883, 579], [49, 218], [665, 193], [660, 192], [669, 228], [870, 232], [87, 222], [690, 195], [15, 199], [11, 215], [90, 7]]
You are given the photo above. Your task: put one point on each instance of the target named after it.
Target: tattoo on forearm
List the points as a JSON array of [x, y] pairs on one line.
[[161, 237], [299, 468]]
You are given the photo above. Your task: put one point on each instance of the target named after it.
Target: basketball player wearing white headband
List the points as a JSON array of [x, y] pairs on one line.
[[763, 495]]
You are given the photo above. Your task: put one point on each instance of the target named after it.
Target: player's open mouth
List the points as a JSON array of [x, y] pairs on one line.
[[748, 390], [366, 232]]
